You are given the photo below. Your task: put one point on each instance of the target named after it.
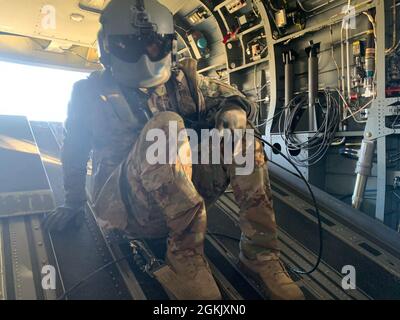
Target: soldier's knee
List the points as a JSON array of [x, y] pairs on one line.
[[163, 147]]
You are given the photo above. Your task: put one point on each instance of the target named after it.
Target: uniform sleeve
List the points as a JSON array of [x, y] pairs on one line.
[[219, 95], [77, 145]]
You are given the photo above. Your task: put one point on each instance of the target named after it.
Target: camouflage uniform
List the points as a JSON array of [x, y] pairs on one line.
[[155, 200]]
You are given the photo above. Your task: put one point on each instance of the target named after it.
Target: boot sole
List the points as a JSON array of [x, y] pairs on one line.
[[170, 282], [255, 276]]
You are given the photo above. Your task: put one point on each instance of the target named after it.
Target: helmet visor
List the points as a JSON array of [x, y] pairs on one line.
[[130, 48]]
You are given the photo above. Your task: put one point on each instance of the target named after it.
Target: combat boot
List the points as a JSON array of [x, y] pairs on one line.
[[272, 273], [190, 277]]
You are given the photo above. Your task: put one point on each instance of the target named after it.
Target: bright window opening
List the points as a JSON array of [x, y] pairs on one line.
[[36, 92]]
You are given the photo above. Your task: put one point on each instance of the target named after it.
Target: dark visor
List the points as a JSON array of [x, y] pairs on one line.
[[130, 48]]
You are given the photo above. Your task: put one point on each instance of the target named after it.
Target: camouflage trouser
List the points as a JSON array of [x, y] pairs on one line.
[[171, 199]]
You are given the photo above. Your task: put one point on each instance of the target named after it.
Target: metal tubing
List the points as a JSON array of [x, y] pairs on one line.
[[288, 60], [363, 170], [348, 65], [312, 53], [342, 80]]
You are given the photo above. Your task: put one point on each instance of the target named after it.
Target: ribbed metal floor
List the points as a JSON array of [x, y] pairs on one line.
[[24, 195]]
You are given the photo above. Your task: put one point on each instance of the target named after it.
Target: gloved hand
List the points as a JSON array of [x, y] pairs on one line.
[[231, 117], [64, 217]]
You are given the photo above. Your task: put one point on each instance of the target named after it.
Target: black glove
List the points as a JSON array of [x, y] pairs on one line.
[[63, 218]]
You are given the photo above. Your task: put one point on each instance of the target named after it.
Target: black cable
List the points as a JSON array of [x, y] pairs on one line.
[[283, 109], [319, 143], [90, 275], [283, 168], [317, 213], [321, 139], [273, 6], [394, 157], [74, 287]]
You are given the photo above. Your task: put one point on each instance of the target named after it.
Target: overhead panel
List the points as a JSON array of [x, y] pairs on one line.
[[173, 5], [51, 19], [96, 6]]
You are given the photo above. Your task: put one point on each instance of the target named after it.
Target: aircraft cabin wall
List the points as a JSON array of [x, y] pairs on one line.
[[355, 47]]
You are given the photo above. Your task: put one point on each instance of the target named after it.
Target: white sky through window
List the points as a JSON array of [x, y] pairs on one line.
[[36, 92]]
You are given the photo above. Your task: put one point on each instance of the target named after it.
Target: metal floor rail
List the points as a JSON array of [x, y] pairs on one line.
[[25, 195], [351, 238]]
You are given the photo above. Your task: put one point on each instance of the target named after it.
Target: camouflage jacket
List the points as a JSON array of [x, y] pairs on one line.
[[106, 120]]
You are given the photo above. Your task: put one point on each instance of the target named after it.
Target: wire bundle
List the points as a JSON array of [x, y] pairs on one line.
[[395, 157], [318, 144]]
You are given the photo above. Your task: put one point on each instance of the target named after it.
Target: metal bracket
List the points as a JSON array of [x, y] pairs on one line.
[[149, 263], [380, 109]]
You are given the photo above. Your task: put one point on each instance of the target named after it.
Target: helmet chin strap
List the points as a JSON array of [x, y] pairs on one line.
[[174, 54]]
